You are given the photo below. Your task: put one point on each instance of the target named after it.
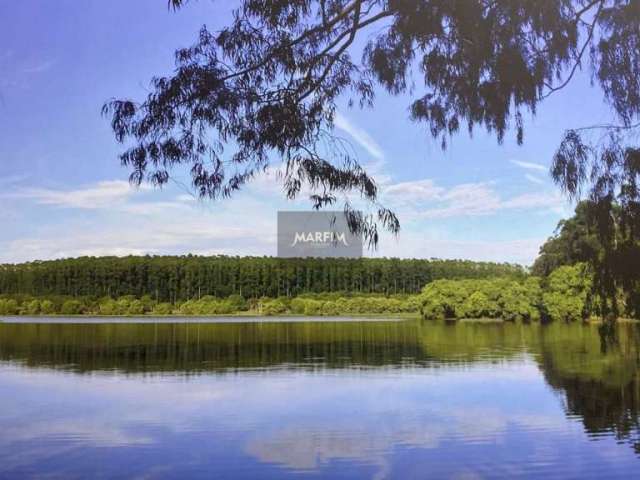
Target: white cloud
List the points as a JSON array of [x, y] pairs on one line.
[[534, 179], [154, 208], [186, 198], [469, 199], [360, 136], [20, 71], [121, 224], [39, 67], [530, 165], [124, 221], [425, 199], [195, 232], [419, 190], [534, 201], [413, 244], [101, 195]]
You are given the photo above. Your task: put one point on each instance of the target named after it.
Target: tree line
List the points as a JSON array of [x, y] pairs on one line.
[[565, 295], [179, 278], [613, 259], [331, 304]]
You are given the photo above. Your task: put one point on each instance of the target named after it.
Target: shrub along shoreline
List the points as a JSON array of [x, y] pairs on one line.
[[562, 296], [332, 304]]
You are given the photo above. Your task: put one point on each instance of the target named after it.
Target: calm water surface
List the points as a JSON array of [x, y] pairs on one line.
[[373, 399]]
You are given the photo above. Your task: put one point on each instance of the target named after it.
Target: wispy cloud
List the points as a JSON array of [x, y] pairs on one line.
[[534, 179], [465, 200], [360, 136], [549, 200], [10, 180], [419, 190], [100, 195], [530, 165], [425, 199], [150, 231], [39, 67], [418, 244], [126, 221], [21, 71]]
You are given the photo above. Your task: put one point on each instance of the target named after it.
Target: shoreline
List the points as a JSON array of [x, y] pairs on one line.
[[252, 318], [151, 319]]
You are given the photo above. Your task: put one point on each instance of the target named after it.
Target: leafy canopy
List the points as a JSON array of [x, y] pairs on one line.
[[598, 235], [266, 87]]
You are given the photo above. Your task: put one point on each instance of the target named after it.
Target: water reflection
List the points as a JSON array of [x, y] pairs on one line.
[[336, 400]]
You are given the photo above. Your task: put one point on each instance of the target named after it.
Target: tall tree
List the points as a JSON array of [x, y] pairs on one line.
[[574, 241], [182, 278], [597, 235]]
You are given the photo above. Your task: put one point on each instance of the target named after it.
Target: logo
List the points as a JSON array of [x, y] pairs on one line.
[[316, 234], [320, 237]]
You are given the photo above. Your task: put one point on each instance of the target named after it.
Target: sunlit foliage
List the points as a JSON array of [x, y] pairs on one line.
[[613, 258], [566, 295]]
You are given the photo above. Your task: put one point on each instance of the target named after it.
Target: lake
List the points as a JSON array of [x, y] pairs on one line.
[[300, 399]]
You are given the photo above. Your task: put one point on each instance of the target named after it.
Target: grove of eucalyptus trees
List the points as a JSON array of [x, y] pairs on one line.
[[172, 279]]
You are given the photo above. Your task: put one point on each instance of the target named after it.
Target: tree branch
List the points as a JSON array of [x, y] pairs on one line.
[[553, 89], [317, 29]]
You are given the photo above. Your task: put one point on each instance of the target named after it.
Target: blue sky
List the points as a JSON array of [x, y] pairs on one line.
[[63, 192]]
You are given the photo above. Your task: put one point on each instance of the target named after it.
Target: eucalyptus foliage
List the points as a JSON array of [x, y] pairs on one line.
[[264, 90], [613, 259], [172, 279]]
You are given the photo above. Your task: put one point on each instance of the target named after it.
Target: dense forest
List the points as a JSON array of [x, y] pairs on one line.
[[612, 259], [323, 304], [173, 279], [567, 282], [565, 295]]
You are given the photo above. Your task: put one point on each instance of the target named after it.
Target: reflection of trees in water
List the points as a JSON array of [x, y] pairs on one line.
[[194, 348], [596, 368], [605, 409], [600, 378], [608, 336]]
